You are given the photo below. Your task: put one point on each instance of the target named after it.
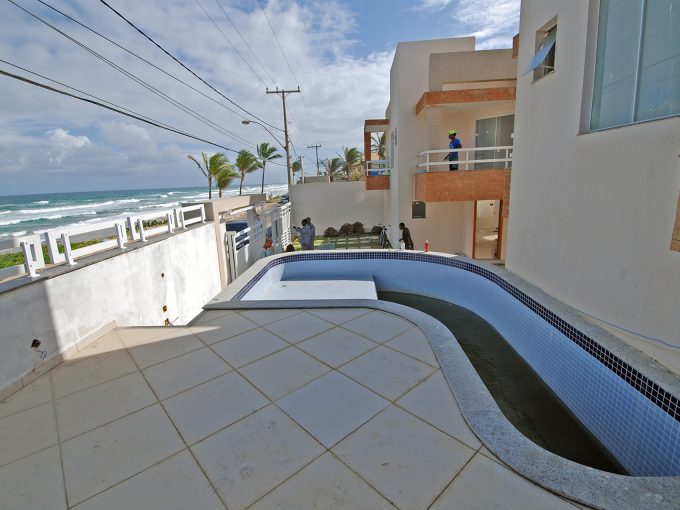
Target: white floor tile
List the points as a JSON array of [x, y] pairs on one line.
[[387, 372], [325, 484], [184, 372], [213, 405], [433, 401], [162, 348], [484, 484], [87, 409], [143, 335], [405, 459], [101, 458], [263, 317], [248, 347], [332, 407], [299, 327], [86, 372], [27, 432], [34, 482], [378, 326], [209, 315], [339, 315], [336, 346], [174, 484], [287, 370], [415, 344], [33, 394], [254, 455], [222, 328], [110, 342]]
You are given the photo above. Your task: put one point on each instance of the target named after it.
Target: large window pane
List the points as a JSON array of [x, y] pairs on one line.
[[659, 93], [617, 52]]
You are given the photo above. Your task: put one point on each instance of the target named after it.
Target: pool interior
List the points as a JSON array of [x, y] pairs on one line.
[[525, 400]]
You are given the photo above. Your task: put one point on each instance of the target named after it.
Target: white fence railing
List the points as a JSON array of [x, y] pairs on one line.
[[245, 247], [31, 248], [474, 158], [378, 167], [105, 235]]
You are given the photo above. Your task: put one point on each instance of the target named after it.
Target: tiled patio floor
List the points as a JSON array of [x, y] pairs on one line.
[[290, 409]]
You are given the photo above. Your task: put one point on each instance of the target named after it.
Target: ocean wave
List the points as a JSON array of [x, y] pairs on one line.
[[65, 208], [127, 201], [19, 234], [5, 212], [156, 206], [42, 202], [10, 222], [163, 196]]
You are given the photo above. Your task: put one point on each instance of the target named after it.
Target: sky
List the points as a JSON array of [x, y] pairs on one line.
[[338, 52]]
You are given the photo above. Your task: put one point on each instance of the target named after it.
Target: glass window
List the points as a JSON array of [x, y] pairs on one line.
[[544, 58], [637, 71]]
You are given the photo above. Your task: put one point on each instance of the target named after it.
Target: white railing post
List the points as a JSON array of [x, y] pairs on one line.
[[142, 235], [29, 260], [66, 242], [53, 247], [180, 218], [202, 209], [169, 216], [120, 235], [131, 225]]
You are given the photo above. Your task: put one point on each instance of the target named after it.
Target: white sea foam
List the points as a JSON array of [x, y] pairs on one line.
[[5, 212], [65, 208], [42, 202], [127, 201], [19, 234], [10, 222]]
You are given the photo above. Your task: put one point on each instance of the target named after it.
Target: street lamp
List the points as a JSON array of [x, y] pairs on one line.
[[245, 122]]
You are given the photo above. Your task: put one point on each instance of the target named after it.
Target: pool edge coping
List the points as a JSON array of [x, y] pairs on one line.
[[579, 483]]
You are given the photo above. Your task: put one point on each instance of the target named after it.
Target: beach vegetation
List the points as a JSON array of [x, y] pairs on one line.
[[379, 145], [266, 152], [246, 163], [212, 167]]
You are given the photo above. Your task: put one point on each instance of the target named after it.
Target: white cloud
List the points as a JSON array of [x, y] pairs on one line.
[[492, 21], [61, 144], [433, 5]]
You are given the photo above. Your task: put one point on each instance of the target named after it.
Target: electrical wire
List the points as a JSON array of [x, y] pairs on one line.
[[170, 75], [135, 116], [184, 66], [138, 80]]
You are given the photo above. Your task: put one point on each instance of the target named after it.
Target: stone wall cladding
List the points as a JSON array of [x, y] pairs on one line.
[[461, 66], [464, 185]]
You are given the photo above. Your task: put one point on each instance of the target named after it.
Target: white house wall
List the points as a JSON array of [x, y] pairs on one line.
[[592, 214]]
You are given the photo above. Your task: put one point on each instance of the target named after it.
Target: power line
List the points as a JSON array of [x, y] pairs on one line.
[[138, 117], [170, 75], [138, 80], [184, 66], [309, 118]]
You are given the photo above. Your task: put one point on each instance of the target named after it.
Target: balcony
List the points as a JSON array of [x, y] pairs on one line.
[[378, 174], [483, 174]]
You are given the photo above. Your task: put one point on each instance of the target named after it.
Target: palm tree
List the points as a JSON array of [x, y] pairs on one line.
[[351, 157], [296, 167], [211, 168], [225, 177], [333, 168], [246, 162], [379, 145], [266, 153]]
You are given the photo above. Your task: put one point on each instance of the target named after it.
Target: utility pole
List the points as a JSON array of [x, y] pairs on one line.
[[316, 148], [283, 94]]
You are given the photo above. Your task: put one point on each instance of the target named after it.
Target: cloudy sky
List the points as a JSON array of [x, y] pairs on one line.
[[338, 52]]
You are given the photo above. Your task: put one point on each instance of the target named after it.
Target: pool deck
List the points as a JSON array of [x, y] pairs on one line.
[[294, 409]]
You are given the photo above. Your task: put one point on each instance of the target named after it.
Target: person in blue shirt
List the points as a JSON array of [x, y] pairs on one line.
[[453, 156]]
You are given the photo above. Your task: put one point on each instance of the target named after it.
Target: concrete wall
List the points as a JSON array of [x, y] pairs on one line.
[[332, 204], [593, 213], [180, 272]]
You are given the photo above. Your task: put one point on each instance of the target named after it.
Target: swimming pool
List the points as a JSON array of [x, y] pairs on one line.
[[626, 402]]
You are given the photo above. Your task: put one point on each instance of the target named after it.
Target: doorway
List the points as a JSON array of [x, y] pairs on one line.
[[487, 230]]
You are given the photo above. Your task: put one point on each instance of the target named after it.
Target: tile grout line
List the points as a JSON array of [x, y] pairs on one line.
[[53, 401], [454, 478], [167, 415]]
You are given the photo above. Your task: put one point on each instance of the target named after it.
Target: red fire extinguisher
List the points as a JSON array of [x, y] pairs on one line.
[[427, 245]]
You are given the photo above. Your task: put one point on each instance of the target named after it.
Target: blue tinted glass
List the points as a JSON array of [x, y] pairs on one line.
[[617, 51], [659, 88]]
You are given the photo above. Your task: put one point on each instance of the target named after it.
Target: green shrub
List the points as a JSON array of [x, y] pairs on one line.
[[347, 229], [359, 228], [330, 232], [376, 230]]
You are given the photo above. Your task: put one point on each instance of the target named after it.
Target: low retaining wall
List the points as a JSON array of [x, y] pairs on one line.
[[67, 305]]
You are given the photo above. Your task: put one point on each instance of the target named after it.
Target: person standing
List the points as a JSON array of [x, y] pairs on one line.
[[312, 233], [406, 236], [305, 234], [453, 155]]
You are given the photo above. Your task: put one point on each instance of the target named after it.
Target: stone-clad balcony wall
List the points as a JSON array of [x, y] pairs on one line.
[[464, 185]]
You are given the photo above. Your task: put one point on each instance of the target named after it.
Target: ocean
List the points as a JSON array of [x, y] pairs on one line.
[[25, 214]]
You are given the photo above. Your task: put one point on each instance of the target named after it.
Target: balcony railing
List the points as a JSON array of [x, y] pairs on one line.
[[474, 158], [378, 167]]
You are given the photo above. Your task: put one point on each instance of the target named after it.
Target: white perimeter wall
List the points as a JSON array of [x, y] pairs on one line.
[[127, 289], [332, 204], [592, 214]]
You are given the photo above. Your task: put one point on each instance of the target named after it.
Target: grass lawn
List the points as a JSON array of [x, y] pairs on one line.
[[353, 242]]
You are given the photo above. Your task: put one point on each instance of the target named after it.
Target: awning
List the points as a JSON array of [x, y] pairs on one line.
[[542, 52]]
